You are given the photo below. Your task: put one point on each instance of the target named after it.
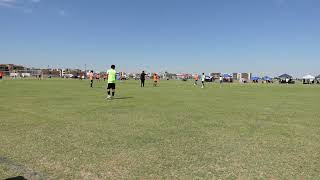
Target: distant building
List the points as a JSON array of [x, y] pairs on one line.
[[74, 72], [11, 68], [236, 76], [4, 68], [242, 76], [246, 76], [52, 72]]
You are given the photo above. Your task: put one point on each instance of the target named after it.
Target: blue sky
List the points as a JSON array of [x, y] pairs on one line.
[[266, 37]]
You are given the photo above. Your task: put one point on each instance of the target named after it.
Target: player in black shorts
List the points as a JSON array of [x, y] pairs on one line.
[[111, 81], [142, 78]]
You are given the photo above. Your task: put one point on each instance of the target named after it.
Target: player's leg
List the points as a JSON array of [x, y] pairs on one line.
[[113, 89], [108, 91], [91, 84]]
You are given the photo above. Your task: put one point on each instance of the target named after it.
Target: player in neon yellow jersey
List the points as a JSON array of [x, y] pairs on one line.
[[111, 81]]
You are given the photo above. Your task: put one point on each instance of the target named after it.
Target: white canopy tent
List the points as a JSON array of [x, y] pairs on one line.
[[318, 79], [308, 79]]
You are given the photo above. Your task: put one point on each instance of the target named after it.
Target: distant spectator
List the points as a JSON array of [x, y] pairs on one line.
[[203, 78], [142, 78], [91, 79], [196, 78], [98, 77], [155, 80]]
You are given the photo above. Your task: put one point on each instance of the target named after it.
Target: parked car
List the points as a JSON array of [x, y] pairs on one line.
[[208, 79]]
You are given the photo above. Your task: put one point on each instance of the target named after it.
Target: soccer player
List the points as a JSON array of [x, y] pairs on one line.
[[221, 79], [1, 75], [196, 78], [98, 77], [40, 76], [155, 80], [111, 81], [105, 77], [91, 79], [142, 78], [203, 78]]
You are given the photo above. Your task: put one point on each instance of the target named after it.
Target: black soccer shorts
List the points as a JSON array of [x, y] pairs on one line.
[[111, 86]]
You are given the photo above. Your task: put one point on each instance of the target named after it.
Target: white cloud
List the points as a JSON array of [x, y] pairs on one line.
[[18, 4], [8, 3], [5, 5]]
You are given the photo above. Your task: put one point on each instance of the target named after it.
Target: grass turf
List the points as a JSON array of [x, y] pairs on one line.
[[64, 129]]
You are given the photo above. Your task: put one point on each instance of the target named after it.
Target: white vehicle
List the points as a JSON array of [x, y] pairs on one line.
[[14, 74], [25, 75], [68, 75]]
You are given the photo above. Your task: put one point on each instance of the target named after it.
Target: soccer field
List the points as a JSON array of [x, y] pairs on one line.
[[62, 129]]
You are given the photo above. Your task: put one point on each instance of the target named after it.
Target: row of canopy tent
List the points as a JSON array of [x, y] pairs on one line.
[[310, 77], [283, 76], [286, 77], [265, 78]]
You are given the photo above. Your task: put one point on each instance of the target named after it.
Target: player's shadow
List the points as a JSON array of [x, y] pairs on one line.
[[120, 98], [16, 178]]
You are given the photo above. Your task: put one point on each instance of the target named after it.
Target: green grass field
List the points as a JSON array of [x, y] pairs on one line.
[[62, 129]]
